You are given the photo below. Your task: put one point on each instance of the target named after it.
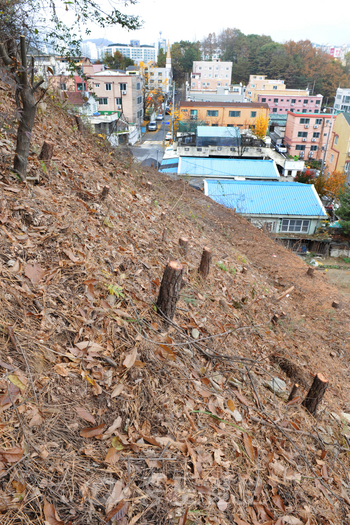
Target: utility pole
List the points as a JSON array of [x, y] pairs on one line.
[[172, 113], [329, 132]]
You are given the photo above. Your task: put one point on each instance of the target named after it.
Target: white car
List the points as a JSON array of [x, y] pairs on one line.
[[168, 136]]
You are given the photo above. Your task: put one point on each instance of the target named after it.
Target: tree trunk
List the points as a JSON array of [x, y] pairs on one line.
[[316, 393], [294, 393], [79, 123], [204, 266], [24, 133], [170, 289], [183, 242], [46, 151]]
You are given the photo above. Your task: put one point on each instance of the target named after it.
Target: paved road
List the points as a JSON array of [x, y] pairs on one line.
[[151, 146]]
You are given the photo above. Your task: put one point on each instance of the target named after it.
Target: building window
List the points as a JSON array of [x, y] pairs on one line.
[[122, 87], [212, 113], [304, 121], [332, 158], [160, 81], [318, 102], [108, 87], [97, 85], [318, 121], [103, 101], [300, 147], [139, 100], [234, 113], [304, 110], [295, 225], [274, 87], [160, 74], [336, 140], [80, 86], [316, 135], [118, 101], [63, 87], [316, 111], [263, 100], [313, 148], [274, 110], [252, 114], [138, 86], [275, 100], [302, 133]]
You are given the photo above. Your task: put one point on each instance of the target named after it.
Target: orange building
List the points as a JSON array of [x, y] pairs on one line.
[[228, 114]]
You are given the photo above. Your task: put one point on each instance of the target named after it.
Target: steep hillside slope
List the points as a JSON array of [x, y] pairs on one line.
[[110, 415]]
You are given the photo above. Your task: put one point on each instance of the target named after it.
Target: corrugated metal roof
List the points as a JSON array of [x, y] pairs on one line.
[[218, 167], [266, 197], [169, 165], [218, 131]]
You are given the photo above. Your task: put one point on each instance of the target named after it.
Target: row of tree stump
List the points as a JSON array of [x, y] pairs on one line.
[[314, 395]]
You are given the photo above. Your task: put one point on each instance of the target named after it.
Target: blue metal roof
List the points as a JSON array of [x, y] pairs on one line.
[[219, 167], [170, 165], [266, 197], [218, 131]]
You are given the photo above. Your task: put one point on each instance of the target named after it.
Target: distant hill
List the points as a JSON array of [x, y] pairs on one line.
[[99, 41]]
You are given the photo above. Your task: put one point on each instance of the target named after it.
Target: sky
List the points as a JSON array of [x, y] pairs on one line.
[[192, 20]]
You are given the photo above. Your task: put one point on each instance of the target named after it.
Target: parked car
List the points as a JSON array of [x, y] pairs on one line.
[[168, 136], [152, 126], [160, 116]]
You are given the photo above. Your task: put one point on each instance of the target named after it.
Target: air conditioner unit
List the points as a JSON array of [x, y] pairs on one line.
[[304, 139], [119, 106], [310, 154], [313, 140], [124, 93], [306, 126], [316, 126], [301, 154]]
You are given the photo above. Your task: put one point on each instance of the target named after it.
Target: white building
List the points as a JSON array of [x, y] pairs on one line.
[[89, 49], [135, 51], [342, 100], [210, 75]]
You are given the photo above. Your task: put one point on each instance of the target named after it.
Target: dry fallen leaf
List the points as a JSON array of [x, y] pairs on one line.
[[61, 369], [92, 432], [51, 517], [12, 455], [34, 272], [119, 512], [115, 496], [231, 405], [84, 414], [222, 505], [112, 456], [110, 430], [278, 501], [130, 358], [248, 445], [118, 390]]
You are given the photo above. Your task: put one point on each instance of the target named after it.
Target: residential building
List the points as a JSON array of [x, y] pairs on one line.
[[238, 169], [230, 114], [137, 52], [308, 136], [260, 85], [281, 103], [233, 93], [89, 49], [280, 207], [209, 75], [119, 92], [342, 99], [338, 154]]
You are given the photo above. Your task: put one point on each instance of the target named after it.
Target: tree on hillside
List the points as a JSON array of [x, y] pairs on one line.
[[183, 54], [209, 46], [161, 60], [117, 61], [13, 50], [343, 212], [334, 184]]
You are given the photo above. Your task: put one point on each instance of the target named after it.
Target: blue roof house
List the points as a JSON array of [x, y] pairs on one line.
[[280, 207]]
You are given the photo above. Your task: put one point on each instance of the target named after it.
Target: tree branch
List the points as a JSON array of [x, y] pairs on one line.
[[3, 54], [37, 85], [24, 73]]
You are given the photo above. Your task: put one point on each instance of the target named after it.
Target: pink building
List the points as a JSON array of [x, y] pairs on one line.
[[308, 135], [281, 103]]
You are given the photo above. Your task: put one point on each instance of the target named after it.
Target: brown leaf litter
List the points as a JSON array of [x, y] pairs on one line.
[[107, 415]]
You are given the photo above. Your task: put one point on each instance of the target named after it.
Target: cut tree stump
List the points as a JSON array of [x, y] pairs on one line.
[[335, 305], [104, 193], [310, 271], [79, 123], [275, 319], [183, 242], [165, 235], [204, 266], [294, 392], [170, 289], [46, 151], [316, 393]]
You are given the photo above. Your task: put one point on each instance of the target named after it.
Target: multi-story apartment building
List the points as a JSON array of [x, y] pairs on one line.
[[281, 103], [342, 100], [230, 114], [308, 136], [137, 52], [118, 92], [209, 75], [338, 153], [233, 93], [260, 85]]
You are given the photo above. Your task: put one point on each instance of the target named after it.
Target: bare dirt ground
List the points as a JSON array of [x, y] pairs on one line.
[[110, 414], [341, 279]]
